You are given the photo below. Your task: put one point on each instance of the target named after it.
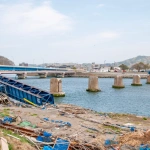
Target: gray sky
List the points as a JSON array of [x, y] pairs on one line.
[[37, 31]]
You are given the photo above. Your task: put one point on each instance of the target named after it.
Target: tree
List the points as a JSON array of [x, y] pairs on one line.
[[111, 68], [146, 66], [139, 66], [124, 67]]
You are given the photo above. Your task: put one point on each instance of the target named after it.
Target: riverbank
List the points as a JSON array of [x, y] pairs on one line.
[[83, 126]]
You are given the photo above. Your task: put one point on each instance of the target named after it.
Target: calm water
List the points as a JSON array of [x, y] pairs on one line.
[[135, 100]]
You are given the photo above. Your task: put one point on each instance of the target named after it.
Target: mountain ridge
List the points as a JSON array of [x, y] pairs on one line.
[[6, 61], [131, 61]]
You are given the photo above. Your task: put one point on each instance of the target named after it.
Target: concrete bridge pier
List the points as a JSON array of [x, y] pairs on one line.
[[93, 84], [60, 75], [148, 79], [118, 82], [43, 74], [56, 87], [136, 80], [22, 75]]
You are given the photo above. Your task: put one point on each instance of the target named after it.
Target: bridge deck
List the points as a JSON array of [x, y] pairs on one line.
[[24, 68]]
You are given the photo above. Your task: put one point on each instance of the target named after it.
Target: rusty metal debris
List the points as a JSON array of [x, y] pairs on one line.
[[20, 130], [4, 99]]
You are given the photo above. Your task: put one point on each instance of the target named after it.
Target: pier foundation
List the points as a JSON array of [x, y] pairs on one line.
[[148, 79], [93, 84], [56, 87], [136, 80], [22, 76], [43, 75], [118, 82]]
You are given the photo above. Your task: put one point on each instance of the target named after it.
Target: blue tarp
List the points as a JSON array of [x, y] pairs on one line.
[[60, 122], [60, 145], [7, 119]]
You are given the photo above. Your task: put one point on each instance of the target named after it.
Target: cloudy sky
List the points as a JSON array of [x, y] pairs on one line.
[[37, 31]]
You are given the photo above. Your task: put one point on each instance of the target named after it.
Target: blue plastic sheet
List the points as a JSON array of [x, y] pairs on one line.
[[47, 148], [132, 129], [45, 138], [7, 120], [46, 134], [60, 122], [144, 147], [60, 145]]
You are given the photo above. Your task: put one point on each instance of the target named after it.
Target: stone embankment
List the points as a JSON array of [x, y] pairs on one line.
[[111, 74]]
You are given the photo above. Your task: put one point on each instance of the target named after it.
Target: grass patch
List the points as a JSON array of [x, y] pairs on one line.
[[34, 114], [5, 112], [22, 139], [10, 146], [116, 115], [144, 118], [89, 131], [113, 128]]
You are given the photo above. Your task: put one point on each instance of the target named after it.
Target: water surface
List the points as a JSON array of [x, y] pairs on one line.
[[131, 99]]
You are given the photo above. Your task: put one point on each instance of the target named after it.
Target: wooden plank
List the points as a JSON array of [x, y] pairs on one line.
[[4, 144]]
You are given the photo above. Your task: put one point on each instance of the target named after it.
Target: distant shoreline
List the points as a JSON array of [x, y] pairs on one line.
[[111, 75]]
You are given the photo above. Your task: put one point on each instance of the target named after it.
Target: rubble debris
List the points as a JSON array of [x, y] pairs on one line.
[[135, 139], [59, 122], [21, 130], [4, 99], [76, 145]]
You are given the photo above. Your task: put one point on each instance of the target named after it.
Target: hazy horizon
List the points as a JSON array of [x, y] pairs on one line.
[[52, 31]]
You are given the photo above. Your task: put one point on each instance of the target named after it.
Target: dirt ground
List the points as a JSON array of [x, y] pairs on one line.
[[87, 126]]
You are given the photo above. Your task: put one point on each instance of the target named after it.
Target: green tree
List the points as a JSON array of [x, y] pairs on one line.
[[124, 67]]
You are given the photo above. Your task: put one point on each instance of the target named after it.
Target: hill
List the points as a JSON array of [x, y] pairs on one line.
[[132, 61], [5, 61]]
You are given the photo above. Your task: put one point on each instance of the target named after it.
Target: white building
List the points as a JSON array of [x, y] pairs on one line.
[[104, 69]]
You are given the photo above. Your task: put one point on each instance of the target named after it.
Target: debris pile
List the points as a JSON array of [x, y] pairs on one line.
[[68, 127], [135, 138]]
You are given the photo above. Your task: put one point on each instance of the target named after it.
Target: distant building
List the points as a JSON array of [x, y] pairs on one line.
[[23, 64], [104, 69], [95, 67]]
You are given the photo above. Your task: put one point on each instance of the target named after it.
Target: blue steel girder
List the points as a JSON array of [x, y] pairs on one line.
[[19, 91], [23, 68]]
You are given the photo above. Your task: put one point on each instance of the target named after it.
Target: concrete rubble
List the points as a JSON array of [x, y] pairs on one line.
[[73, 127]]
